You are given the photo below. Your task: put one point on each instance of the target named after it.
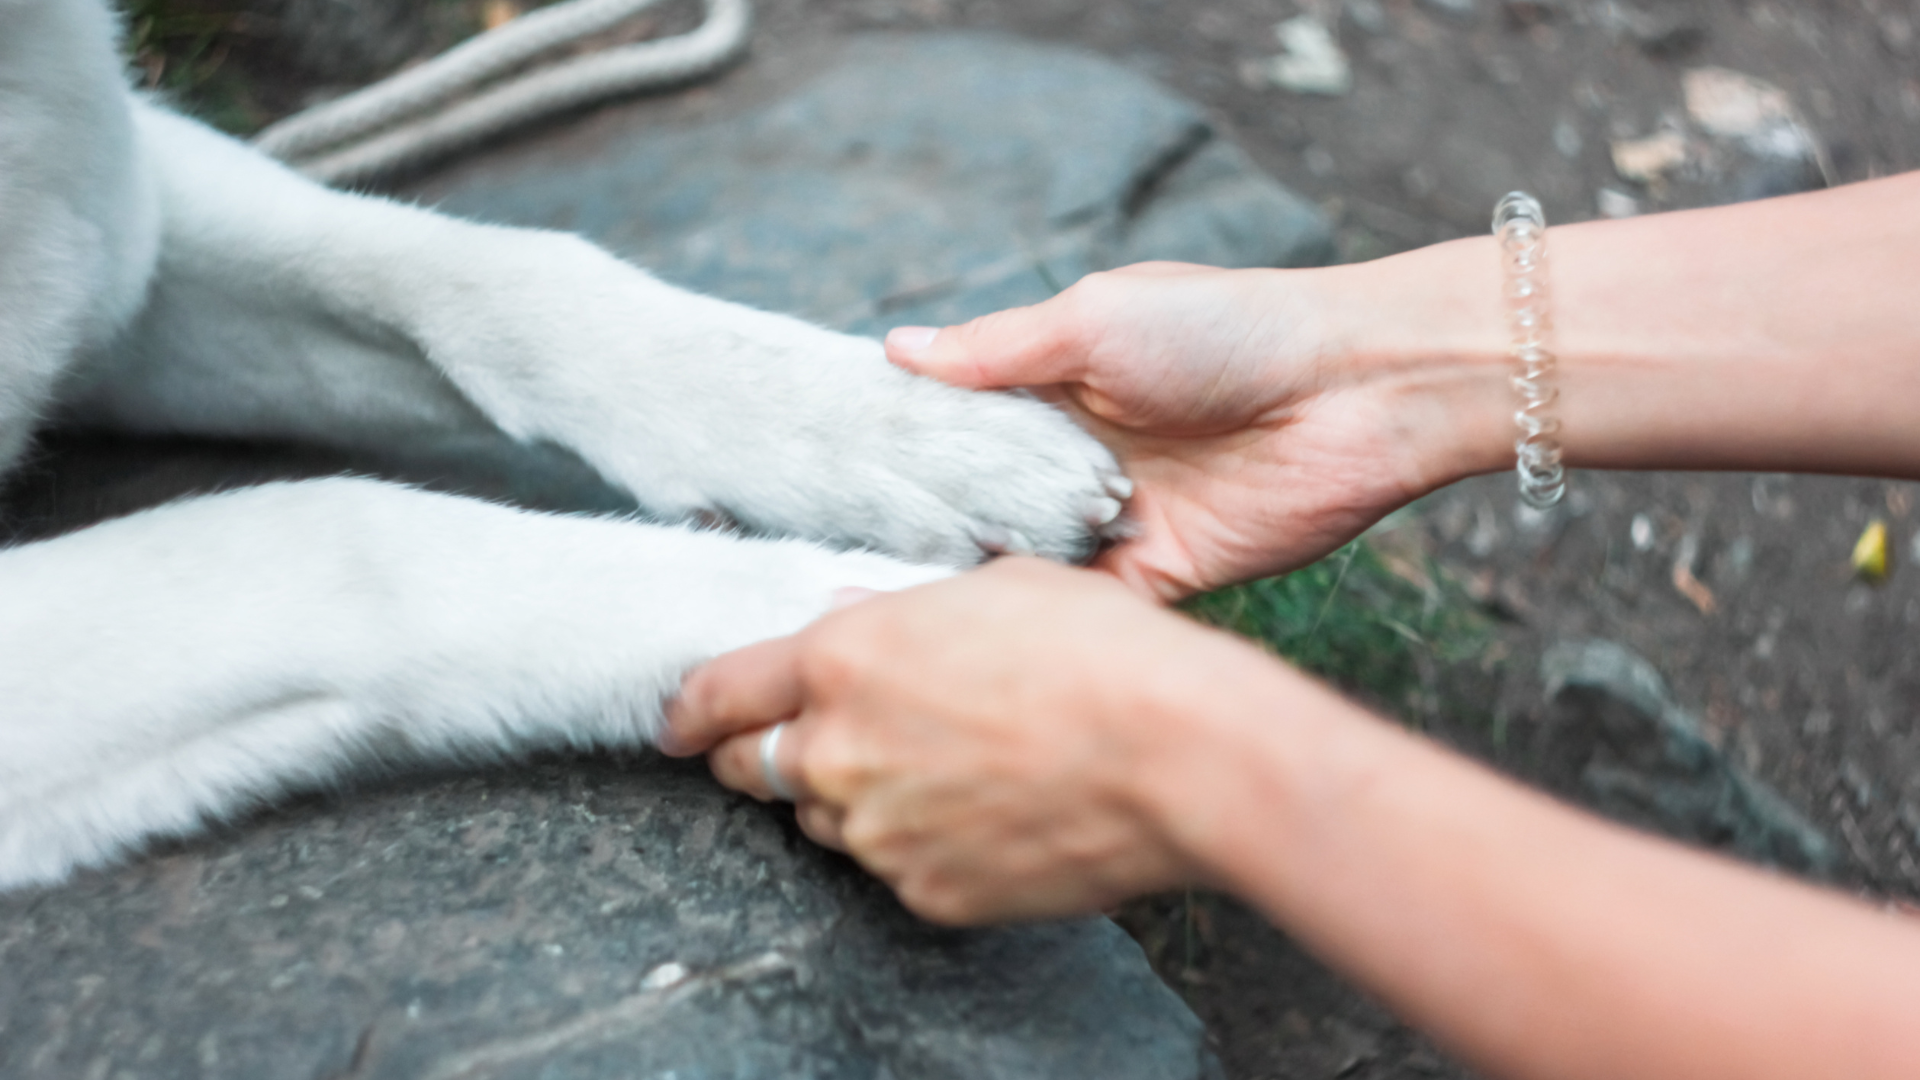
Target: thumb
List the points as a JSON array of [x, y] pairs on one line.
[[1030, 346]]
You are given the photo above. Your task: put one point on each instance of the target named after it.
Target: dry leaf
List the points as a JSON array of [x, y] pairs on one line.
[[495, 14]]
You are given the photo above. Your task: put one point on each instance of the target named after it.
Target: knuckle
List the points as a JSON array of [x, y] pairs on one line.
[[937, 902], [699, 698], [829, 762], [817, 821], [837, 655], [725, 766], [1084, 308], [867, 837]]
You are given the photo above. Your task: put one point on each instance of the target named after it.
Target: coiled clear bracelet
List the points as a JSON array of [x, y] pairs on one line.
[[1521, 228]]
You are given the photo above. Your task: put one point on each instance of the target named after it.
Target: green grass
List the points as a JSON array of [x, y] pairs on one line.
[[1356, 621], [180, 48]]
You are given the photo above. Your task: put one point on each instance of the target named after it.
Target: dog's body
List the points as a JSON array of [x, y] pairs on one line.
[[157, 278]]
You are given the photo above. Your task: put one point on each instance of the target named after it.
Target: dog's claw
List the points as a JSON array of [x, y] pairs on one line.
[[1103, 512], [992, 539], [1118, 486], [1000, 540]]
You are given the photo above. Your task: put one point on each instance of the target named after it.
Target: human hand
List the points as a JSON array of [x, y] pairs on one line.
[[1261, 428], [992, 746]]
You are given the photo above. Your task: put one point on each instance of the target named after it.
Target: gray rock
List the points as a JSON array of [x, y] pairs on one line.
[[1463, 10], [1524, 13], [1745, 176], [1762, 147], [1369, 15], [353, 41], [1665, 29], [920, 179], [1622, 744], [574, 919]]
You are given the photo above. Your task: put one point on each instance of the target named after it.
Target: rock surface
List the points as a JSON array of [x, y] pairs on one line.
[[919, 179], [1642, 758], [575, 919]]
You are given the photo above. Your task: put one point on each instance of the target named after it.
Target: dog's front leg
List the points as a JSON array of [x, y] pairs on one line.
[[284, 308], [191, 661], [79, 213]]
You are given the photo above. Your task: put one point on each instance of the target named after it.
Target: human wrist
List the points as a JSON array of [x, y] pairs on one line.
[[1422, 338], [1233, 726]]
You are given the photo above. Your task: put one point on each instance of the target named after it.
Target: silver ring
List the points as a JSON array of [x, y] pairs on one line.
[[769, 770]]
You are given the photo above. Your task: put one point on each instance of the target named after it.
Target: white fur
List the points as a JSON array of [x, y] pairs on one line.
[[156, 277]]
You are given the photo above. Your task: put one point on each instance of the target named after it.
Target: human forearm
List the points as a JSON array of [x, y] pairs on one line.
[[1028, 741], [1534, 940], [1779, 335]]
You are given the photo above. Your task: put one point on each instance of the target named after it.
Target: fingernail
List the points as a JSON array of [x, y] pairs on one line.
[[850, 596], [664, 740], [1000, 540], [911, 341]]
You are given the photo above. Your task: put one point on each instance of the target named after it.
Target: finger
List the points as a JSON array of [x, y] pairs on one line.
[[1152, 563], [1030, 346], [746, 689], [823, 823], [737, 762], [851, 595], [1163, 268]]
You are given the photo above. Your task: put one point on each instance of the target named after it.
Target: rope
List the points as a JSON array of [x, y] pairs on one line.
[[412, 117]]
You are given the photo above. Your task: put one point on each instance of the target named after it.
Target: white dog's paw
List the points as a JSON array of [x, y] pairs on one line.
[[703, 408], [868, 454]]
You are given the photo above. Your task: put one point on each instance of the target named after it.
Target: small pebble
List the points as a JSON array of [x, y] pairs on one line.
[[1650, 159], [1756, 113], [1858, 783], [1674, 29], [1369, 15], [1616, 204], [1737, 560], [1897, 31], [1910, 816], [1312, 62], [671, 973], [1567, 140], [1454, 9], [1642, 532]]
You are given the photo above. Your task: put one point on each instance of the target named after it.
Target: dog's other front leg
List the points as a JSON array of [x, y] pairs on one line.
[[79, 215], [281, 308], [188, 662]]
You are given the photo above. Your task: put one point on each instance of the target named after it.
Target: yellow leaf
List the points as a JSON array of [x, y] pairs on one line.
[[1870, 552]]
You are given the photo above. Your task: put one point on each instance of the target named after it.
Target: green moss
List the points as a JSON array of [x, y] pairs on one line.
[[1352, 619], [180, 48]]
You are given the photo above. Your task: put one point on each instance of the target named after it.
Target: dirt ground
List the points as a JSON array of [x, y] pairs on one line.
[[1737, 587]]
